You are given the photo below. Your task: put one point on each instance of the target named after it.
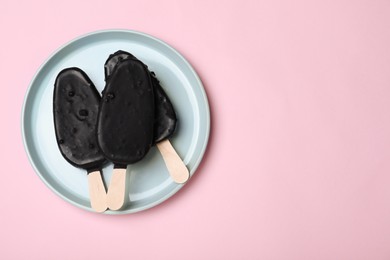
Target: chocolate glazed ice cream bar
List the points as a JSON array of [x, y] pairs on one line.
[[164, 120], [75, 109], [125, 123], [164, 126]]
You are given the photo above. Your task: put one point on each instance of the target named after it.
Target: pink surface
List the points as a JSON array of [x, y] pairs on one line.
[[298, 162]]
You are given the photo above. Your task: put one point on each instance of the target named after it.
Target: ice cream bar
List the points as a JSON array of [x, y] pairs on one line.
[[125, 124], [165, 116], [75, 109], [164, 119]]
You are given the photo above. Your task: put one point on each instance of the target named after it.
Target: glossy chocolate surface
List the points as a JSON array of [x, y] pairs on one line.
[[165, 116], [75, 109], [126, 115]]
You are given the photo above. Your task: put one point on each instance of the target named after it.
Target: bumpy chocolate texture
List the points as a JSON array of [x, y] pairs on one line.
[[126, 115], [165, 116], [75, 109]]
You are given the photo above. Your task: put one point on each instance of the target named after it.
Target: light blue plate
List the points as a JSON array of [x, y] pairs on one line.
[[148, 181]]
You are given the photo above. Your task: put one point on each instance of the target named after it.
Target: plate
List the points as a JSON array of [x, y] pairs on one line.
[[148, 182]]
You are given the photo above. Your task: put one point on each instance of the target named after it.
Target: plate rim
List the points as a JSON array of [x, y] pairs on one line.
[[126, 31]]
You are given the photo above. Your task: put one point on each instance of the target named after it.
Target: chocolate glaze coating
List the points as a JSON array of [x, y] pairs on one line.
[[126, 115], [165, 116], [75, 109]]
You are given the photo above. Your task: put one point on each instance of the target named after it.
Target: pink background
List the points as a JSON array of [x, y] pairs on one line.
[[298, 161]]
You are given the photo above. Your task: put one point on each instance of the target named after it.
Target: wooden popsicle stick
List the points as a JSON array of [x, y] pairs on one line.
[[116, 191], [97, 192], [176, 167]]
